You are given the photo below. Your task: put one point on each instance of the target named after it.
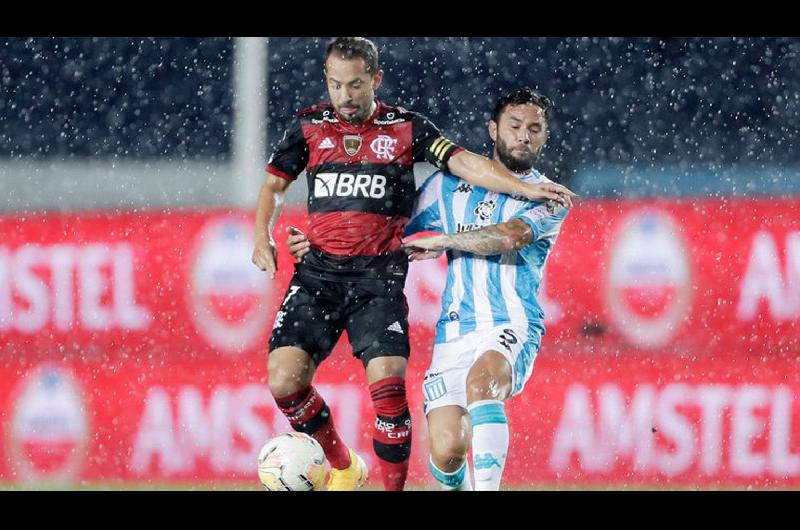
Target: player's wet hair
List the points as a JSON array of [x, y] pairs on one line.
[[354, 47], [524, 96]]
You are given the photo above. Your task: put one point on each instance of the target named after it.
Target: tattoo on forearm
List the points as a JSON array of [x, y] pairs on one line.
[[485, 242], [494, 239]]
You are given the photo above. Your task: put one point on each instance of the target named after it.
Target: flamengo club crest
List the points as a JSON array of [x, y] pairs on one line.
[[648, 283], [49, 430], [228, 295], [383, 146], [352, 144]]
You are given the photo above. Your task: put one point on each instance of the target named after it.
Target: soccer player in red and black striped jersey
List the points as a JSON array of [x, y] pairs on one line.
[[358, 154]]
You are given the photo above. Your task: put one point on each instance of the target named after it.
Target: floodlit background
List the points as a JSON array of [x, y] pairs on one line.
[[133, 327]]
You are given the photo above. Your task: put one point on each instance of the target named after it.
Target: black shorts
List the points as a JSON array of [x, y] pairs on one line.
[[315, 311]]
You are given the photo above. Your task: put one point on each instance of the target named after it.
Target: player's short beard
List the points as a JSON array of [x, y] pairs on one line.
[[357, 118], [517, 165]]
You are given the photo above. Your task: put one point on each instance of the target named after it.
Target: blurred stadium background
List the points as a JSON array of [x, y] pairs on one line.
[[133, 326]]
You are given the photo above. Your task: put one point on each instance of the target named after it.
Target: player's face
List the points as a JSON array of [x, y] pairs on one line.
[[351, 87], [519, 136]]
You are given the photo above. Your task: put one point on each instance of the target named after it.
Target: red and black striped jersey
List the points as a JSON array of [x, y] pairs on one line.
[[360, 180]]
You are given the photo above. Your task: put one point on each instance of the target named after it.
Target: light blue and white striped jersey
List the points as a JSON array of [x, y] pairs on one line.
[[486, 291]]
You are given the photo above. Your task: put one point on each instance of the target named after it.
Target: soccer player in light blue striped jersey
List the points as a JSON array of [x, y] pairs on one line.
[[491, 324]]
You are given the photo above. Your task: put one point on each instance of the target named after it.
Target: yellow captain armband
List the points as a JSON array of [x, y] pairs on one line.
[[440, 150]]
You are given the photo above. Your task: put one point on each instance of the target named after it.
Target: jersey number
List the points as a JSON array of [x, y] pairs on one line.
[[507, 337], [292, 291]]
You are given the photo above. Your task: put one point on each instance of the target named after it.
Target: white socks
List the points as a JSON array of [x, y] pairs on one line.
[[457, 480], [489, 443]]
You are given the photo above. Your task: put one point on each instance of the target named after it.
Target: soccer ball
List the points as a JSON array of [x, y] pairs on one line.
[[292, 461]]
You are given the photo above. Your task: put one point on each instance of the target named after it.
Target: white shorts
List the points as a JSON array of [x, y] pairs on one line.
[[446, 378]]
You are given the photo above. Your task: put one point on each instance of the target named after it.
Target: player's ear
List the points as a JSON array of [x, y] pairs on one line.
[[493, 130], [377, 79]]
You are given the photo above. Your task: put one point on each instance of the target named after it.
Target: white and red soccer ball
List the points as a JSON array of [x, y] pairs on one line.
[[292, 461]]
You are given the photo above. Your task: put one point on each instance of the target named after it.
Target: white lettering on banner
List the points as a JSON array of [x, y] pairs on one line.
[[224, 429], [94, 314], [104, 284], [621, 429], [676, 427], [575, 433], [31, 287], [746, 426], [62, 263], [128, 315], [713, 400], [782, 462], [597, 435], [764, 280], [156, 435]]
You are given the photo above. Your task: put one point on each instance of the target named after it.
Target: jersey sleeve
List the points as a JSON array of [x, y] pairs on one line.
[[291, 156], [545, 220], [426, 216], [429, 144]]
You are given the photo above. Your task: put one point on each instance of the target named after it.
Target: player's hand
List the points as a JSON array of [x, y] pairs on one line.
[[297, 242], [425, 248], [265, 256], [548, 191]]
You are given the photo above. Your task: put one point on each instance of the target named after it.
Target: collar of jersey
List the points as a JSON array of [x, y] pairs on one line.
[[362, 126], [532, 175]]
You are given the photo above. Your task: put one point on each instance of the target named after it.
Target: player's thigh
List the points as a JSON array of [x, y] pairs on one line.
[[377, 321], [449, 432], [490, 377], [445, 379], [518, 347], [309, 319]]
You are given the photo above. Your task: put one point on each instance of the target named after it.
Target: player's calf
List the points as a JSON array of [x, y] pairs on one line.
[[489, 382], [449, 433], [449, 445], [392, 432], [291, 371]]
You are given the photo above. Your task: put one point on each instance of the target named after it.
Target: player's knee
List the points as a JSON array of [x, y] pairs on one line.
[[287, 377], [379, 368], [449, 450]]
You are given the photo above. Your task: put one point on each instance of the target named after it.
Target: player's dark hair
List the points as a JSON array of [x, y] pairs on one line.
[[524, 96], [354, 47]]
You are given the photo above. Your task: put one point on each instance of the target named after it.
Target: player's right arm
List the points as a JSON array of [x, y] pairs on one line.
[[487, 241], [286, 163], [530, 224], [270, 202]]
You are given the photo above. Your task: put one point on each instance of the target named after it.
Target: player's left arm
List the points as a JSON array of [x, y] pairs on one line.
[[495, 239], [492, 175], [431, 146]]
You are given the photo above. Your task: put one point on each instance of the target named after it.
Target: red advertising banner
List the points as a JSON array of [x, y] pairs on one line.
[[649, 422], [697, 277], [134, 348]]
